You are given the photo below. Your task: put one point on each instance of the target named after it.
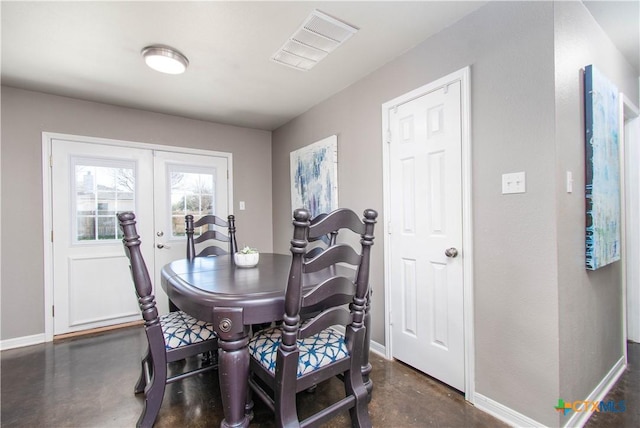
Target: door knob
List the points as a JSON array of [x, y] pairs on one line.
[[451, 252], [161, 246]]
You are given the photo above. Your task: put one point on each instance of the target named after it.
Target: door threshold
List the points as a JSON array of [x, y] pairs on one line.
[[96, 330]]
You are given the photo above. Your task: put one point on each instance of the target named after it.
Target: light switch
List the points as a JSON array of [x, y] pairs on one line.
[[569, 182], [513, 183], [241, 205]]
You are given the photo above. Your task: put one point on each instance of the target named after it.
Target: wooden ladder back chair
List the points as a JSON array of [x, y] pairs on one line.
[[329, 239], [211, 234], [296, 356], [170, 337]]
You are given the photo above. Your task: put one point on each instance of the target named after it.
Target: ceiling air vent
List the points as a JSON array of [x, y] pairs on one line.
[[318, 36]]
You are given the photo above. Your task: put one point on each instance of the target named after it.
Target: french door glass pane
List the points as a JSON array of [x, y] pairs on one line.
[[102, 188], [192, 192]]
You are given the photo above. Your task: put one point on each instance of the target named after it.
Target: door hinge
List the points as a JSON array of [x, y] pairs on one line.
[[389, 228], [388, 136], [50, 161], [53, 311], [52, 236], [390, 318]]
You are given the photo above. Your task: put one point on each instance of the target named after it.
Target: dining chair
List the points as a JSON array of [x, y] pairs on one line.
[[294, 356], [327, 240], [170, 337], [210, 234]]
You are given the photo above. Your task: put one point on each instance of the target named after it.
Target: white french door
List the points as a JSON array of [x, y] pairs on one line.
[[90, 183], [185, 184]]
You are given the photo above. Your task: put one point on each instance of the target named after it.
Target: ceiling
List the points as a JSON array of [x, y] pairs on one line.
[[91, 50]]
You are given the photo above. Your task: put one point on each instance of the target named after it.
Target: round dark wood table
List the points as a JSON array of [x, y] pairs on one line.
[[233, 298]]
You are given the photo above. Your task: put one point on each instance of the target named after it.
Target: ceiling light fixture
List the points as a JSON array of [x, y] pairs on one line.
[[165, 59]]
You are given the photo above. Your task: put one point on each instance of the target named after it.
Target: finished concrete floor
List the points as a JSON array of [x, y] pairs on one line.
[[88, 382]]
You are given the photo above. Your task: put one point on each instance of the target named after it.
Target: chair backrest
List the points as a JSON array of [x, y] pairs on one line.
[[210, 234], [139, 272], [327, 240], [334, 285]]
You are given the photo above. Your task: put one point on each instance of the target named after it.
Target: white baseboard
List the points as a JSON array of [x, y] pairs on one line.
[[378, 349], [19, 342], [504, 413], [579, 419]]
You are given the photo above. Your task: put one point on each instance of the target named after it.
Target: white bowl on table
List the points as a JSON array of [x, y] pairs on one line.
[[246, 260]]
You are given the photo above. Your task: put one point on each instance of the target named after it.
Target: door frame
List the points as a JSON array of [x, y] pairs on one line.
[[464, 77], [629, 155], [47, 200]]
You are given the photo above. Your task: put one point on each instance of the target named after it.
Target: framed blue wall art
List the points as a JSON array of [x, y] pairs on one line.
[[314, 176], [602, 126]]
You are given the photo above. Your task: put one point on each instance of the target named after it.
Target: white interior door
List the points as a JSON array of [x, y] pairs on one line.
[[426, 254], [185, 184], [90, 184]]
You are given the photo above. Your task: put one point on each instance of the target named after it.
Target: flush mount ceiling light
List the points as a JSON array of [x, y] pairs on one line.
[[318, 36], [165, 59]]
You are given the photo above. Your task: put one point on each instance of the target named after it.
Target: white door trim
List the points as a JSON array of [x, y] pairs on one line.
[[47, 201], [629, 155], [463, 76]]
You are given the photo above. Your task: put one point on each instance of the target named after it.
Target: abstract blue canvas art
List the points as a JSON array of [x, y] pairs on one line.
[[314, 176], [603, 170]]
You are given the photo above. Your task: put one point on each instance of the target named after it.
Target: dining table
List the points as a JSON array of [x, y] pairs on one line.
[[233, 298]]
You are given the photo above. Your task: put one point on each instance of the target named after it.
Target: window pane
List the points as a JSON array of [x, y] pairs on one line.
[[102, 189], [106, 204], [86, 228], [107, 227], [192, 192], [85, 203], [178, 225]]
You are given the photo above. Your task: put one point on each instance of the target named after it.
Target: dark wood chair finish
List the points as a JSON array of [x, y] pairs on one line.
[[286, 380], [329, 239], [154, 376], [211, 234]]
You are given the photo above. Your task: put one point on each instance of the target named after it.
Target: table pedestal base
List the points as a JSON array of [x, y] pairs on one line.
[[233, 367]]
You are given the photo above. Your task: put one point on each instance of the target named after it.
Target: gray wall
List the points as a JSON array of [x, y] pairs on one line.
[[590, 303], [519, 323], [25, 115]]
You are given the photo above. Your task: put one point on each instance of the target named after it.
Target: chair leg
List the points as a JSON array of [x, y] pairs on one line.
[[359, 412], [142, 381], [286, 412], [153, 395], [354, 383], [248, 407]]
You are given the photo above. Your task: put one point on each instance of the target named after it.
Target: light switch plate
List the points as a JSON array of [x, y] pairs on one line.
[[241, 205], [513, 183]]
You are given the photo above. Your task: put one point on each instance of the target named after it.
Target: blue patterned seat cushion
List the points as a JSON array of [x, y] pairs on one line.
[[316, 351], [180, 329]]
